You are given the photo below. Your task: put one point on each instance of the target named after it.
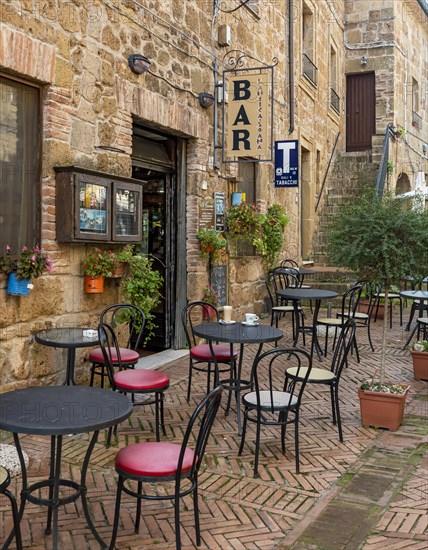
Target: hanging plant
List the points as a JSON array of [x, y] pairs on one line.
[[242, 221], [212, 245], [270, 237]]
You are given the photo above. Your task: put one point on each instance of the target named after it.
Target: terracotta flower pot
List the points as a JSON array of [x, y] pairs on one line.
[[94, 285], [420, 364], [119, 270], [382, 410]]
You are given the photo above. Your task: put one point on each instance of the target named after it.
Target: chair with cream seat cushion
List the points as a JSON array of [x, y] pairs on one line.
[[391, 297], [274, 401], [4, 484], [331, 377], [347, 310]]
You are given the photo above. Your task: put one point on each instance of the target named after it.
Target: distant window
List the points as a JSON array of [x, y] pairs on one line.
[[19, 164], [308, 44], [334, 93], [415, 96]]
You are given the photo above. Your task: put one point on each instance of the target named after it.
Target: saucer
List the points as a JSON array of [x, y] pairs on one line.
[[223, 322], [250, 324]]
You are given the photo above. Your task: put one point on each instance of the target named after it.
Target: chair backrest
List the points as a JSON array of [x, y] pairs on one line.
[[126, 314], [270, 374], [343, 347], [350, 301], [288, 262], [369, 292], [194, 314], [280, 278], [110, 348], [198, 430]]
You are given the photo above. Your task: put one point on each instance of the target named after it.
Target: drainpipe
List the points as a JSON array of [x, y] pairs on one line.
[[291, 62]]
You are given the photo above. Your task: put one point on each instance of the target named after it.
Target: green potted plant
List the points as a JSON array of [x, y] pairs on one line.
[[380, 240], [242, 221], [141, 285], [121, 260], [30, 264], [419, 353], [212, 245], [269, 238], [96, 266]]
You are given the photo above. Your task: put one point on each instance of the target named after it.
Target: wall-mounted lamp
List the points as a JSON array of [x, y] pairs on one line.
[[206, 100], [364, 60], [138, 63]]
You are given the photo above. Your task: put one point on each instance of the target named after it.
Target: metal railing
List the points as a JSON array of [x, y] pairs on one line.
[[326, 171], [310, 69], [416, 120], [334, 100], [383, 168]]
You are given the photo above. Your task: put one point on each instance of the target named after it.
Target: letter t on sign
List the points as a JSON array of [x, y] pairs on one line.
[[286, 147]]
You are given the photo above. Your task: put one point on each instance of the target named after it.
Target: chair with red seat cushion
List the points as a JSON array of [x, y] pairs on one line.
[[132, 381], [118, 316], [157, 462], [194, 314]]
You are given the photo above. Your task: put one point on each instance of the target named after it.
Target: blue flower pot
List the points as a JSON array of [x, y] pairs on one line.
[[18, 287]]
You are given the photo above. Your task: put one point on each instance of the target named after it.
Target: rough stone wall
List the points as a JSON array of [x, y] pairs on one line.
[[77, 51]]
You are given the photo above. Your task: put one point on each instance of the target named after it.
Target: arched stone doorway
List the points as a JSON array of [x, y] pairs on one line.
[[403, 184]]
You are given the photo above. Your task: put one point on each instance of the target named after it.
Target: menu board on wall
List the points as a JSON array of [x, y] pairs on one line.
[[219, 283], [206, 213]]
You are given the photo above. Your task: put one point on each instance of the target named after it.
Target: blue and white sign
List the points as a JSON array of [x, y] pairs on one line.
[[287, 163]]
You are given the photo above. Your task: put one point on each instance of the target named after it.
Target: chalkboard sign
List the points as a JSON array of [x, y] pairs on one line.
[[219, 283]]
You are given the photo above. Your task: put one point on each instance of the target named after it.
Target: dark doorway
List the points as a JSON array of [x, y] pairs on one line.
[[360, 111], [154, 162]]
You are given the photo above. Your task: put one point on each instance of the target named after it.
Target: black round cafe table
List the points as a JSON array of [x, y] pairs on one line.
[[241, 334], [70, 338], [57, 411], [299, 294]]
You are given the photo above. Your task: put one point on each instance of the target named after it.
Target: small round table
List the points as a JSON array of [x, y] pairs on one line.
[[298, 294], [57, 411], [422, 296], [70, 338], [241, 334]]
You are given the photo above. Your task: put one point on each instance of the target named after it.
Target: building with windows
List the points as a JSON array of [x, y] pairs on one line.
[[109, 101]]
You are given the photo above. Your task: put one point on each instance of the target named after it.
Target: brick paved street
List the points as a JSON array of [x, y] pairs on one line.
[[369, 492]]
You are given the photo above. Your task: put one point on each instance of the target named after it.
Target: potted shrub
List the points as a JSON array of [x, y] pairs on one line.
[[212, 245], [96, 266], [30, 264], [141, 285], [419, 353], [380, 240]]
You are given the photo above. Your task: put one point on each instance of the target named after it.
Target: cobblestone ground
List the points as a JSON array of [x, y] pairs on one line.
[[368, 492]]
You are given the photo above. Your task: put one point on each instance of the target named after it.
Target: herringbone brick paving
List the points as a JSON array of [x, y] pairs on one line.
[[238, 511]]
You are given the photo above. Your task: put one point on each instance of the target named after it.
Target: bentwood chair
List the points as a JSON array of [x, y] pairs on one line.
[[391, 297], [129, 320], [200, 355], [160, 462], [274, 401], [331, 377], [347, 310], [4, 484], [132, 381], [279, 279], [288, 262]]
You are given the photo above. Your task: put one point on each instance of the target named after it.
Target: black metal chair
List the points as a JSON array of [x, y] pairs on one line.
[[348, 309], [288, 262], [4, 484], [274, 399], [391, 297], [193, 314], [160, 462], [331, 377], [132, 320], [279, 279], [132, 381]]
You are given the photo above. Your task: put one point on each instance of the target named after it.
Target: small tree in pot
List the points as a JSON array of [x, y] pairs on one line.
[[381, 240]]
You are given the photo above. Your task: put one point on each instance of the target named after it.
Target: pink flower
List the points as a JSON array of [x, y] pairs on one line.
[[33, 258], [7, 248], [24, 248]]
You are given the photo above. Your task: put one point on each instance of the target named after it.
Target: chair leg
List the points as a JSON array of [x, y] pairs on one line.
[[138, 512], [369, 335], [333, 406], [296, 441], [244, 431], [91, 381], [355, 345], [157, 416], [326, 340], [339, 420], [162, 417], [209, 377], [116, 512], [189, 383], [15, 516], [110, 430], [196, 514], [256, 456], [177, 518], [401, 311], [283, 431]]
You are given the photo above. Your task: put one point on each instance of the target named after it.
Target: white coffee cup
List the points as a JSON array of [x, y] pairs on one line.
[[227, 313], [251, 318]]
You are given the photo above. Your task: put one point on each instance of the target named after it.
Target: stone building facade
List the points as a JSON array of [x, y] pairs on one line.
[[96, 114]]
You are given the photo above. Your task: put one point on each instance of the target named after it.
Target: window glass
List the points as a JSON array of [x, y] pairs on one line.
[[19, 164]]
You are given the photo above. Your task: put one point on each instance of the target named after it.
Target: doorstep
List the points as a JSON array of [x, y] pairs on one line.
[[160, 359]]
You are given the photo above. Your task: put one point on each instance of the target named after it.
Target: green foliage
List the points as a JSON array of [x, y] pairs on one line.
[[212, 245], [99, 263], [30, 264], [210, 296], [389, 167], [141, 286], [421, 345], [382, 241], [270, 237], [124, 255], [242, 221]]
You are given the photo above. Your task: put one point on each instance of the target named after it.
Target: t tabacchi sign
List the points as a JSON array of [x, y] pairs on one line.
[[247, 130]]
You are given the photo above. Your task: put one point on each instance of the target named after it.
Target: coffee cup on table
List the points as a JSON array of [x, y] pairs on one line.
[[227, 313], [251, 318]]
